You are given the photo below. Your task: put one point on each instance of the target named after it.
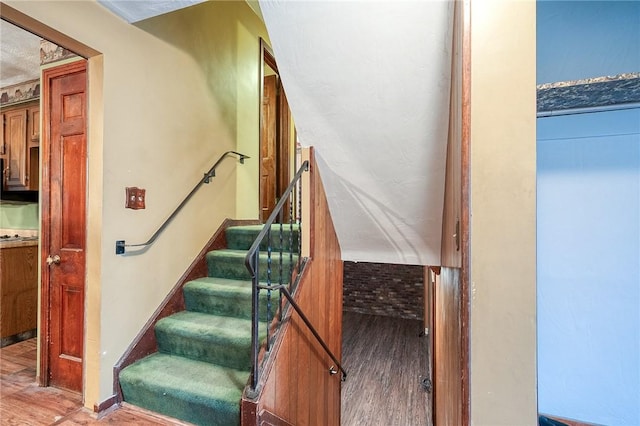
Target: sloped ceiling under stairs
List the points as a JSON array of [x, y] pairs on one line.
[[368, 85]]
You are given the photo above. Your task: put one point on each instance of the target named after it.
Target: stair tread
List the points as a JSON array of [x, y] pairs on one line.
[[220, 285], [259, 227], [205, 326], [241, 254], [199, 380]]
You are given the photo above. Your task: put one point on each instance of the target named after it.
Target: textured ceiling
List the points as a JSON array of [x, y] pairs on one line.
[[19, 55], [134, 11], [20, 50], [369, 89]]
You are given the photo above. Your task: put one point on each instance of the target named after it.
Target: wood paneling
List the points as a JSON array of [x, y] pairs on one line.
[[451, 292], [296, 385], [464, 28], [447, 389]]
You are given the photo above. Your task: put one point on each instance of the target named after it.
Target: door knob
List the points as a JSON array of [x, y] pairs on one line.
[[53, 259]]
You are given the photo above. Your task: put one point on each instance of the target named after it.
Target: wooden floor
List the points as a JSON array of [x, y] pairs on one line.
[[385, 360], [384, 357], [23, 402]]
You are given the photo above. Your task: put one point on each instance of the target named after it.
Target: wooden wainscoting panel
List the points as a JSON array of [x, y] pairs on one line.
[[296, 384], [447, 387]]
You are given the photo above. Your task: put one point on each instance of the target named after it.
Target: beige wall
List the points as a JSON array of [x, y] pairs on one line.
[[160, 115], [223, 38], [503, 221]]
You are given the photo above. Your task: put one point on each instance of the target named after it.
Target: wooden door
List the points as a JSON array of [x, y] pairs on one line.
[[268, 147], [275, 136], [64, 224]]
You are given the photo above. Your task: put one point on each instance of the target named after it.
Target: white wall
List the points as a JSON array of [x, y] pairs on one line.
[[589, 266], [368, 86]]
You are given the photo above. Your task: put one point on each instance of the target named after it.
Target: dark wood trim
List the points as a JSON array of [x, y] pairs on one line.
[[248, 411], [283, 143], [267, 418], [145, 342], [283, 125], [465, 218], [312, 202], [45, 207], [105, 405], [266, 55]]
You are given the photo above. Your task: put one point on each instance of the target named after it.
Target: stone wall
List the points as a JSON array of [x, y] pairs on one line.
[[384, 289]]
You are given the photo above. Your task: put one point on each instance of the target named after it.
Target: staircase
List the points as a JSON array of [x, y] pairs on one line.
[[204, 352]]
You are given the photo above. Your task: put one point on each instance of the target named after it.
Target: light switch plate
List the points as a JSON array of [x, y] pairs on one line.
[[135, 198]]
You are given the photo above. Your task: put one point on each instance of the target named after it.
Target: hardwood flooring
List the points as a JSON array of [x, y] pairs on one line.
[[24, 403], [385, 360], [384, 357]]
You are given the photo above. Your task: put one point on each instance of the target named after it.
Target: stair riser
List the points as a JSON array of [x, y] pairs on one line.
[[165, 402], [238, 306], [222, 266], [206, 348], [240, 239]]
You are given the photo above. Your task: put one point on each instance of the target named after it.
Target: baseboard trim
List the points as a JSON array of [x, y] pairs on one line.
[[106, 406]]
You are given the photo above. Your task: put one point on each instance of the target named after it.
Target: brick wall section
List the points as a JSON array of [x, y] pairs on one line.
[[384, 289]]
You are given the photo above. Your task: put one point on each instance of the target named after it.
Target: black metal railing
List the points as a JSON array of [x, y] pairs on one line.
[[289, 268], [121, 245]]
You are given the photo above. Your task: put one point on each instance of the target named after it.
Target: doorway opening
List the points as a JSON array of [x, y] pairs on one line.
[[57, 173], [276, 135]]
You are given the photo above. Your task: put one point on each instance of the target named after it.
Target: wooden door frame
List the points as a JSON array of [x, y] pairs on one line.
[[44, 330], [40, 29], [283, 120], [465, 216], [448, 303]]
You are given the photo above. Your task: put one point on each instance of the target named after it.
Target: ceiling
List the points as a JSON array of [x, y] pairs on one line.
[[370, 93], [19, 55], [20, 50], [134, 11]]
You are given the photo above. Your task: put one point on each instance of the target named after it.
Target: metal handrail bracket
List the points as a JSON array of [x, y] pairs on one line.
[[121, 244]]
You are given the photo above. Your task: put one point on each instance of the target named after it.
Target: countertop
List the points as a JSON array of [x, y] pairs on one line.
[[22, 243]]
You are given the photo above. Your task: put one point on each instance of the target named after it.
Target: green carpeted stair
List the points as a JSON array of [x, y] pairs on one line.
[[204, 352]]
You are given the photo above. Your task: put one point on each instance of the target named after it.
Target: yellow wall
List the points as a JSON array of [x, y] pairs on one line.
[[503, 221], [160, 115], [228, 52]]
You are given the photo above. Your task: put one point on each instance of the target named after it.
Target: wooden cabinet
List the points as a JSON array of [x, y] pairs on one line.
[[18, 290], [20, 146]]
